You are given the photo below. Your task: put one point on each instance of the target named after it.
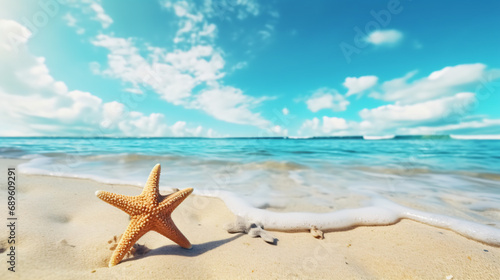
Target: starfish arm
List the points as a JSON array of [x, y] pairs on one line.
[[128, 204], [173, 200], [136, 229], [149, 211], [167, 228], [151, 191]]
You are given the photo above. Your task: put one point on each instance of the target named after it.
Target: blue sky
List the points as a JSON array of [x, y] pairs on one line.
[[215, 68]]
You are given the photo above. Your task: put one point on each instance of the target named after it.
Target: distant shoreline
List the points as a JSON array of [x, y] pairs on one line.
[[348, 137]]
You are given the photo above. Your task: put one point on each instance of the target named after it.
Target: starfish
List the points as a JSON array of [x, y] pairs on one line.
[[148, 211]]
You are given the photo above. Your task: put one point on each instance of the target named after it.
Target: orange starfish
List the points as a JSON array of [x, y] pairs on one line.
[[148, 211]]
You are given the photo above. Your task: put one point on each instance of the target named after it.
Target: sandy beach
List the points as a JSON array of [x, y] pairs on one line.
[[249, 139], [64, 231]]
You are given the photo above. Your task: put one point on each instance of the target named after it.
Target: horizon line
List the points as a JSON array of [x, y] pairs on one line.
[[364, 137]]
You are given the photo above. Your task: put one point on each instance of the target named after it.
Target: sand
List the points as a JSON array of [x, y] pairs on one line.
[[64, 232]]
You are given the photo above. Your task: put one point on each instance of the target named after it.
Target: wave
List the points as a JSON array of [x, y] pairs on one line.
[[475, 137], [347, 137], [384, 137], [273, 165], [11, 152], [298, 137], [287, 184], [383, 212], [43, 165]]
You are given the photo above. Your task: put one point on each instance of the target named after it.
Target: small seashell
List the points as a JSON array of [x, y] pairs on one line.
[[318, 234]]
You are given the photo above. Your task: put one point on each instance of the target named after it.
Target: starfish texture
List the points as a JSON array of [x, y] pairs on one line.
[[148, 211]]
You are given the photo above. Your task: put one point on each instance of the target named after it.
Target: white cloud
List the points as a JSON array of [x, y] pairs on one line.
[[334, 124], [357, 85], [434, 104], [100, 15], [203, 62], [285, 111], [444, 115], [311, 124], [133, 90], [211, 133], [250, 7], [195, 132], [231, 105], [12, 35], [325, 98], [477, 127], [91, 9], [193, 69], [274, 14], [239, 65], [138, 124], [194, 18], [444, 82], [279, 131], [40, 105], [264, 34], [193, 26], [385, 37], [178, 128], [328, 126], [434, 111], [224, 9], [72, 22], [112, 113], [173, 75]]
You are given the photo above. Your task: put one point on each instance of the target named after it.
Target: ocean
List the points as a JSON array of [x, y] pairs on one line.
[[446, 178]]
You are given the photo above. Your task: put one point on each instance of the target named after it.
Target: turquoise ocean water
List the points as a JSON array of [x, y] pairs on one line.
[[439, 174]]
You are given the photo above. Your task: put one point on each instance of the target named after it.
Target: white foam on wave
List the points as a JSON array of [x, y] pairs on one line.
[[382, 212], [42, 165], [383, 137], [298, 137], [296, 177], [476, 137], [379, 211]]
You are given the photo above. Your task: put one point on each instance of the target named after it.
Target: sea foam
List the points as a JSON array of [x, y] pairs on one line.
[[383, 137], [383, 212], [348, 182], [475, 137]]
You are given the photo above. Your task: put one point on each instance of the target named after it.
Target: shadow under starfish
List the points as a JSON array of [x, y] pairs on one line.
[[175, 250]]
